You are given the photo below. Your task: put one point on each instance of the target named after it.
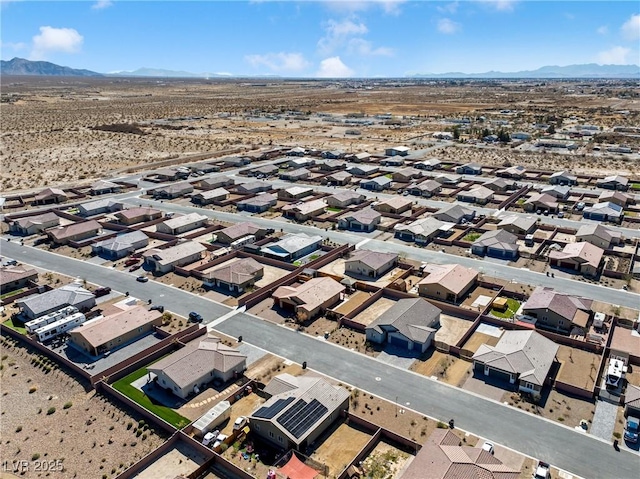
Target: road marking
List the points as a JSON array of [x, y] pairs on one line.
[[224, 317], [378, 378], [363, 242]]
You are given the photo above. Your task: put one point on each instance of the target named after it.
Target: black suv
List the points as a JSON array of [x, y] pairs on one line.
[[195, 317]]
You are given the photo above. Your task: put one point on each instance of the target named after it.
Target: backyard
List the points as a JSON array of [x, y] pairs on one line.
[[509, 312]]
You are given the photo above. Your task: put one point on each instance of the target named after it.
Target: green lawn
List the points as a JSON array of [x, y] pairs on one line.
[[10, 323], [333, 209], [11, 293], [471, 237], [124, 386], [635, 186], [510, 312]]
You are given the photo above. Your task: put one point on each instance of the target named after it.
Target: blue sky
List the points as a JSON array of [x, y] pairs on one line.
[[388, 38]]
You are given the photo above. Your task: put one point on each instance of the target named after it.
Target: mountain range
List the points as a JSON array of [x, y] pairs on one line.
[[20, 66]]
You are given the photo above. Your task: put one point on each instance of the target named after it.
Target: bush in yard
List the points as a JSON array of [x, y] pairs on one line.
[[50, 411], [67, 405]]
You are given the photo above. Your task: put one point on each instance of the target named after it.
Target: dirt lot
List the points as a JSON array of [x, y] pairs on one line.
[[451, 329], [386, 461], [478, 339], [557, 407], [448, 369], [50, 416], [578, 367], [374, 311], [268, 366], [339, 446], [181, 460]]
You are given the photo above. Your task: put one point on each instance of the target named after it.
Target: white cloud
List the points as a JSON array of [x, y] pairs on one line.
[[51, 39], [631, 28], [362, 47], [333, 68], [603, 30], [102, 4], [279, 62], [614, 56], [337, 34], [449, 8], [500, 5], [391, 7], [15, 46], [448, 26]]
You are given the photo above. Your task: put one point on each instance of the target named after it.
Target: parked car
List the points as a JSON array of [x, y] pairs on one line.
[[102, 291], [210, 437], [631, 429], [219, 440], [142, 279], [561, 215], [135, 267], [240, 423], [131, 261], [157, 307], [543, 471], [195, 317], [580, 206], [487, 446], [12, 262]]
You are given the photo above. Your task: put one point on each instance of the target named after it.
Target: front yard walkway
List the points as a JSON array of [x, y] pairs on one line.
[[604, 420]]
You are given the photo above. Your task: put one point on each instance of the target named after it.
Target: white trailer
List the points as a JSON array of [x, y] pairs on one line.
[[212, 418], [59, 327], [42, 321]]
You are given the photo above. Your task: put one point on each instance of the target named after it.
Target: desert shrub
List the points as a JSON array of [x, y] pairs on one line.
[[50, 411]]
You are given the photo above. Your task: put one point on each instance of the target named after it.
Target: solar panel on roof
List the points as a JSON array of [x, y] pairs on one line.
[[270, 411], [302, 416]]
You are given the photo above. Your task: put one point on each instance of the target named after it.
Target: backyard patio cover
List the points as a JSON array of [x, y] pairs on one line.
[[296, 469]]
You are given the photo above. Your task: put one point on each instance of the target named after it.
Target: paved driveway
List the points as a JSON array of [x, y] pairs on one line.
[[479, 386], [604, 420]]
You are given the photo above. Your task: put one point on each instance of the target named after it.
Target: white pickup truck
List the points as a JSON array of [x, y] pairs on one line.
[[543, 471]]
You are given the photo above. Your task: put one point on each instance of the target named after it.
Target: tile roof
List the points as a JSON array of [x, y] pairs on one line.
[[372, 259], [214, 193], [365, 216], [582, 252], [453, 277], [521, 222], [525, 353], [479, 192], [428, 185], [175, 253], [310, 294], [253, 186], [614, 179], [184, 220], [597, 230], [47, 192], [15, 273], [197, 359], [259, 200], [347, 195], [238, 272], [104, 185], [69, 231], [396, 202], [562, 304], [240, 230], [414, 318], [36, 220], [453, 212], [421, 227], [306, 207], [498, 239], [340, 176], [297, 190], [132, 213], [632, 396], [102, 330], [544, 199]]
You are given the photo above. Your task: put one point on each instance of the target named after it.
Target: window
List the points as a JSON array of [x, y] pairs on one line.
[[280, 440], [256, 427], [271, 434]]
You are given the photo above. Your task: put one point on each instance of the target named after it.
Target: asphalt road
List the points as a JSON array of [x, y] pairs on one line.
[[561, 446], [495, 269]]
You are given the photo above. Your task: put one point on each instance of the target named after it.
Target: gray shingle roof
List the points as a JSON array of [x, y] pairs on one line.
[[414, 318], [373, 259], [69, 295], [498, 239]]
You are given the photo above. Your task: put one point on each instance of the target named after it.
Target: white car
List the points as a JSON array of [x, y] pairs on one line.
[[240, 423], [208, 437], [487, 446], [219, 440]]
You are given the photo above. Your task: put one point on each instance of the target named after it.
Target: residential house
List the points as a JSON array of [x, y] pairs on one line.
[[598, 235], [253, 187], [295, 175], [479, 195], [557, 191], [582, 257], [405, 175], [542, 202], [339, 178], [604, 212], [309, 299], [102, 187], [632, 401], [175, 190], [167, 174], [496, 244], [431, 164], [264, 171], [397, 151], [202, 168], [258, 204], [617, 197], [359, 157], [365, 219], [344, 199], [237, 275], [74, 232], [411, 323], [182, 224], [421, 231], [426, 188], [392, 161], [13, 278], [73, 294], [396, 205], [240, 230], [500, 185], [524, 358], [30, 225], [215, 183], [132, 216], [297, 151], [99, 207], [378, 183], [164, 260], [121, 245], [454, 214], [301, 409], [515, 172], [50, 195], [330, 165], [370, 264], [295, 193], [446, 282], [448, 179], [553, 143], [444, 456], [301, 162], [333, 154], [520, 135], [518, 225], [237, 161], [557, 311], [200, 362], [106, 333], [210, 196], [363, 170], [304, 210], [292, 247], [563, 178], [615, 182], [469, 169]]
